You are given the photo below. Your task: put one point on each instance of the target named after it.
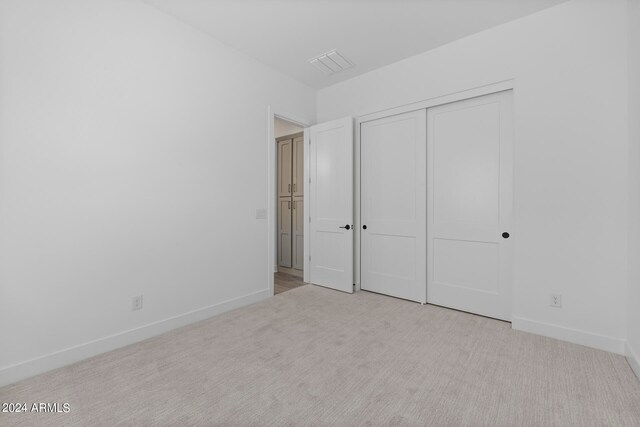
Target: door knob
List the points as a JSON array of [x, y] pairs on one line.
[[348, 227], [364, 227], [505, 235]]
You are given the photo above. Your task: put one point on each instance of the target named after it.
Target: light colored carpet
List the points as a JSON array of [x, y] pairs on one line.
[[312, 356]]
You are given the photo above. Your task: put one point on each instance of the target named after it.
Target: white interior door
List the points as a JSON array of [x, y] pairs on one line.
[[470, 200], [393, 205], [331, 204]]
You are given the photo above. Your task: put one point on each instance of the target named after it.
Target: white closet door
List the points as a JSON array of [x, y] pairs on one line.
[[284, 232], [298, 232], [285, 149], [298, 166], [331, 204], [393, 206], [470, 199]]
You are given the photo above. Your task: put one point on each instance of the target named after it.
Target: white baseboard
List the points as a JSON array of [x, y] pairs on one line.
[[633, 359], [576, 336], [58, 359]]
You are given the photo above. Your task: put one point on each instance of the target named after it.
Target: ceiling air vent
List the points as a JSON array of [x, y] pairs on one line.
[[331, 62]]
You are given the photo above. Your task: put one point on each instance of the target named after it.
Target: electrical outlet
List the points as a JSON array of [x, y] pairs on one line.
[[555, 300], [136, 303]]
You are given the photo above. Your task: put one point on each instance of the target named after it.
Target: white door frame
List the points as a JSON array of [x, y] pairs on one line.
[[427, 103], [272, 169]]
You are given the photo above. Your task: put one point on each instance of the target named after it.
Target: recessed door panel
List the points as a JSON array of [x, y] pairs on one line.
[[481, 269], [284, 233], [393, 205], [284, 167], [330, 175], [467, 160], [298, 233], [331, 262], [390, 170], [392, 257], [298, 166]]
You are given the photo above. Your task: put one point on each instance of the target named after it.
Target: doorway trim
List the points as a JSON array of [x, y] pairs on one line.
[[272, 168], [440, 100]]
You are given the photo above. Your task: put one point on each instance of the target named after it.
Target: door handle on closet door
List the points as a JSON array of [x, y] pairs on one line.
[[289, 204], [294, 188], [289, 188], [294, 204], [348, 227]]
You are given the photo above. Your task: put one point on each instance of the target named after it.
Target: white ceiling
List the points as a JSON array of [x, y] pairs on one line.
[[284, 34]]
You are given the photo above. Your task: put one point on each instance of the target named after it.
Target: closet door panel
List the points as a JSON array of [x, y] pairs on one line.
[[393, 205], [470, 199], [298, 166], [298, 233], [284, 232], [285, 148]]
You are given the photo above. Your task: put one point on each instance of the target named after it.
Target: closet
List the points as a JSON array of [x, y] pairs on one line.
[[291, 201], [436, 204]]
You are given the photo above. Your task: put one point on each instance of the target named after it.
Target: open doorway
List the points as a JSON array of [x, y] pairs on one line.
[[289, 242]]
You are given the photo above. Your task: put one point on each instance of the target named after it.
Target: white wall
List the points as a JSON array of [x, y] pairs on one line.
[[633, 349], [283, 128], [123, 173], [570, 70]]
